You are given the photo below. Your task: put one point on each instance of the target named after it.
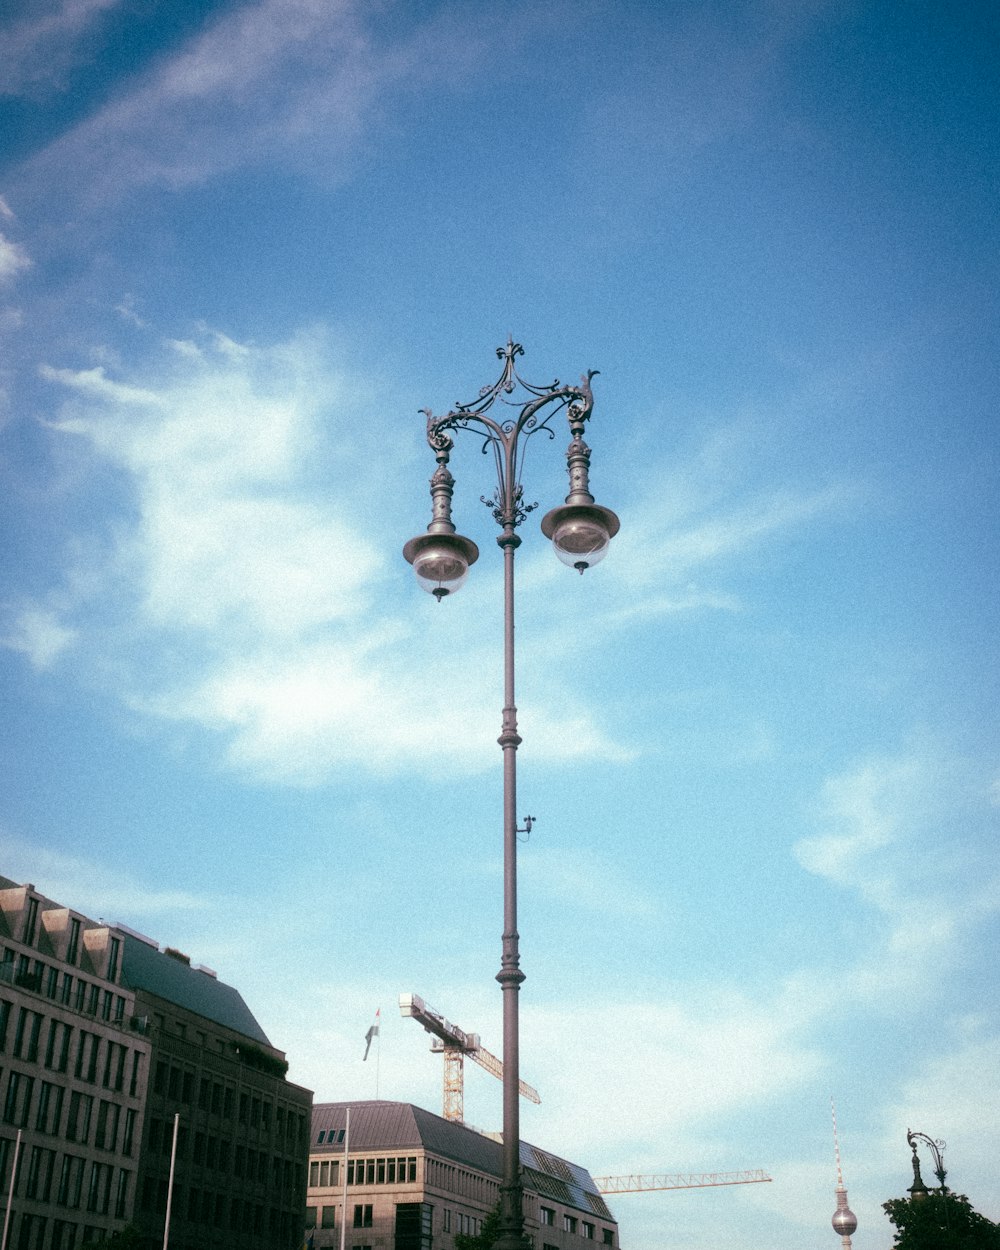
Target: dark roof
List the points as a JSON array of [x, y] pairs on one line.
[[397, 1126], [146, 968]]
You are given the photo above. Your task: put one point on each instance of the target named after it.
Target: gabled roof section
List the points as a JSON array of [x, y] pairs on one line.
[[146, 968]]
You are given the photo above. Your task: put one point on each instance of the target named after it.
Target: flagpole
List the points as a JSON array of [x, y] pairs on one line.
[[170, 1182], [10, 1195], [347, 1141], [378, 1052]]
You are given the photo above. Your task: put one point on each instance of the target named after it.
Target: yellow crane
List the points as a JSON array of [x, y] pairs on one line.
[[454, 1044], [636, 1183]]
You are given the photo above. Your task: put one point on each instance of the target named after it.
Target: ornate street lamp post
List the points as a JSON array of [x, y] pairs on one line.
[[580, 531], [918, 1189]]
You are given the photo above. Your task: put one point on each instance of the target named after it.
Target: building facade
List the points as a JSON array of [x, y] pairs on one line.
[[73, 1074], [107, 1045], [410, 1180]]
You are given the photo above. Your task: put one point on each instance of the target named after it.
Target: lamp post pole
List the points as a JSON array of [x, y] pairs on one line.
[[918, 1189], [580, 531]]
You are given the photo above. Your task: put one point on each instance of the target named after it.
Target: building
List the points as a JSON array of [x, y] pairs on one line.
[[73, 1074], [412, 1180], [107, 1043]]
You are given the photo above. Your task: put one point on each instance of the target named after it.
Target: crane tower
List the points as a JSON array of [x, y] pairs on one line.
[[454, 1044]]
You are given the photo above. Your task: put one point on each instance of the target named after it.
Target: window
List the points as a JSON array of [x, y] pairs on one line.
[[70, 1182], [546, 1216], [136, 1067], [114, 1067], [86, 1056], [57, 1046], [114, 954], [4, 1018], [129, 1131], [50, 1101], [329, 1217], [15, 1108], [106, 1134], [587, 1231], [29, 1026], [310, 1217], [99, 1189], [67, 988], [609, 1237], [122, 1195], [31, 922], [569, 1223], [81, 1108], [73, 949], [363, 1215]]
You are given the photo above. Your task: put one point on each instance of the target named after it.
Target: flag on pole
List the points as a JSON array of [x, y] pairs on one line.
[[372, 1032]]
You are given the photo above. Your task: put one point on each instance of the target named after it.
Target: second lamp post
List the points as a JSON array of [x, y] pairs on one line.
[[580, 531]]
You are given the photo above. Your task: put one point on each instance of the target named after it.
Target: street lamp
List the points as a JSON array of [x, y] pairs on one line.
[[580, 531], [918, 1189]]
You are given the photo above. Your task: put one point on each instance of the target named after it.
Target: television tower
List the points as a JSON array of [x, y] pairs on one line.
[[844, 1220]]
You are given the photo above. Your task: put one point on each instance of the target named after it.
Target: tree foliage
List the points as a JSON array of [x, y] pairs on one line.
[[487, 1235], [940, 1222]]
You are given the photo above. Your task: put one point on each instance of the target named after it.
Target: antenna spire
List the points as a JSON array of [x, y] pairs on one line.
[[844, 1220]]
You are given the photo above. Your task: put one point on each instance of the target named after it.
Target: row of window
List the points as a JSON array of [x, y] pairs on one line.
[[112, 1130], [26, 1044], [70, 990], [218, 1154], [326, 1217], [205, 1207], [399, 1169], [572, 1224], [65, 1234], [43, 1175], [221, 1100]]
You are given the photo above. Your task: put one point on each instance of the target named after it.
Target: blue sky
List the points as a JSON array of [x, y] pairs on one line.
[[241, 244]]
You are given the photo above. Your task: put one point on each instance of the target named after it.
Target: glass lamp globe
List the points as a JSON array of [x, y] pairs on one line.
[[580, 533], [441, 561]]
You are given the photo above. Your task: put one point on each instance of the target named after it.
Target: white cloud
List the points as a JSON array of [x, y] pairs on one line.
[[900, 833], [98, 890], [38, 633], [13, 259], [241, 581], [696, 1062]]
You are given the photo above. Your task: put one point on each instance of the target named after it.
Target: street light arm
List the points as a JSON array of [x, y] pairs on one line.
[[936, 1148]]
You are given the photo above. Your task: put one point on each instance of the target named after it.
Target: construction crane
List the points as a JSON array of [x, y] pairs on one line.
[[634, 1183], [455, 1044]]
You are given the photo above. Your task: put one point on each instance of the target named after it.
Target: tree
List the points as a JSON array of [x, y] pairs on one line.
[[940, 1222], [487, 1235]]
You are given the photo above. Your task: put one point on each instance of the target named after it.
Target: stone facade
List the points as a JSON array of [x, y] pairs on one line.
[[107, 1042], [416, 1181]]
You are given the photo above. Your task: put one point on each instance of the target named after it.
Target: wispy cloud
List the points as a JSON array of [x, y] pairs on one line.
[[99, 890], [13, 259], [286, 81], [38, 633], [240, 585], [37, 51], [898, 831]]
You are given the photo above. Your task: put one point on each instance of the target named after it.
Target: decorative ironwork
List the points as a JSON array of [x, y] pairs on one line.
[[507, 438]]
